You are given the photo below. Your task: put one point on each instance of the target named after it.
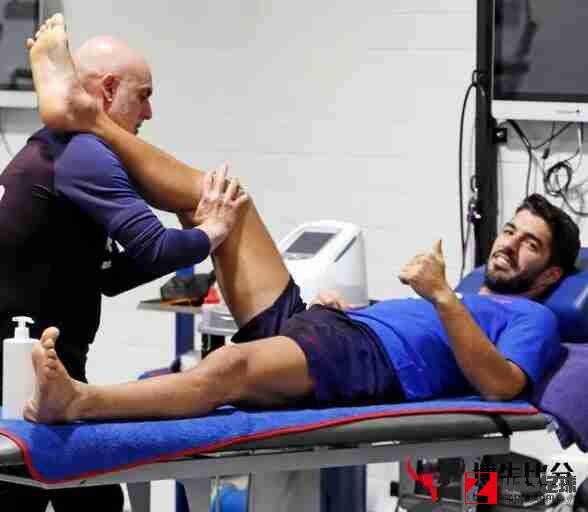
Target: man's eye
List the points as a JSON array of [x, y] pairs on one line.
[[533, 246]]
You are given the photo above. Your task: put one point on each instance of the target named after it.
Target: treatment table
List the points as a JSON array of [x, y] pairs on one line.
[[285, 468]]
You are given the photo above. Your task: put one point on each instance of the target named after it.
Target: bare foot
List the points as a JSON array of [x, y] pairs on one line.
[[56, 393], [63, 103]]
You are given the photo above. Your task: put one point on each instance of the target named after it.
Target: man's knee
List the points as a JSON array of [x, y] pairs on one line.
[[226, 369]]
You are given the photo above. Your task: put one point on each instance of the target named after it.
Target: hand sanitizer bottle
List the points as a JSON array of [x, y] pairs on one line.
[[18, 376]]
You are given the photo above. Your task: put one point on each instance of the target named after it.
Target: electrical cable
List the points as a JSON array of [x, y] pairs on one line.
[[464, 236], [464, 251], [566, 191], [529, 149], [553, 135], [557, 179], [552, 177]]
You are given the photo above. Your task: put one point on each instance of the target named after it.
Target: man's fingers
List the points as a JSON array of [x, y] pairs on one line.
[[242, 198], [232, 188], [404, 275], [438, 248], [208, 181], [220, 178], [331, 298]]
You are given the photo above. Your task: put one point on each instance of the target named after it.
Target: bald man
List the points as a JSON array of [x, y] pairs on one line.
[[65, 199]]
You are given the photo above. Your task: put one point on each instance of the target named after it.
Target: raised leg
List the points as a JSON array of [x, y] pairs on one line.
[[250, 270], [268, 373], [63, 103]]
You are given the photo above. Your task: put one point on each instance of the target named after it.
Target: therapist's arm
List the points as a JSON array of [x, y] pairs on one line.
[[483, 365], [121, 273], [215, 216]]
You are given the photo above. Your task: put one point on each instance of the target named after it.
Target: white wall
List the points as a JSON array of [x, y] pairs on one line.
[[330, 109]]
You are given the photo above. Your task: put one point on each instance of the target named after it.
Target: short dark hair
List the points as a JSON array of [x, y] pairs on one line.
[[565, 235]]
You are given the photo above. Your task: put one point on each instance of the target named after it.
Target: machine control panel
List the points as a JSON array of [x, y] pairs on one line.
[[307, 245]]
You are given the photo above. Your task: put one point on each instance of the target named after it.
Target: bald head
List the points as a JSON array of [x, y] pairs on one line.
[[119, 76], [106, 54]]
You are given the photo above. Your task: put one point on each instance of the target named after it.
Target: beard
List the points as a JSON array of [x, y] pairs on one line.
[[513, 285]]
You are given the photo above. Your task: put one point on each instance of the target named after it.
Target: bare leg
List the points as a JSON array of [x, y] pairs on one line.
[[268, 373], [250, 270], [63, 102]]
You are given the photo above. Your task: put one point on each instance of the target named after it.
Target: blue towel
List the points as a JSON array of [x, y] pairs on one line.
[[58, 453], [562, 393]]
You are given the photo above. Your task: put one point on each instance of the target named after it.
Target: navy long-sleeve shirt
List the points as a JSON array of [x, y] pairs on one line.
[[61, 199], [90, 176]]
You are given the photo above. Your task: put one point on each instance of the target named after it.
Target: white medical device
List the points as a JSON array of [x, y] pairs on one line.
[[327, 255], [320, 255]]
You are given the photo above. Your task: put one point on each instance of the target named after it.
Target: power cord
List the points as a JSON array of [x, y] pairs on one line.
[[472, 214], [529, 149], [558, 178]]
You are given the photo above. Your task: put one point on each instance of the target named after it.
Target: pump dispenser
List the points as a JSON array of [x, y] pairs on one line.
[[18, 376]]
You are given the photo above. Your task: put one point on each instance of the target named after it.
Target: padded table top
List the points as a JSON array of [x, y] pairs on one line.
[[421, 427]]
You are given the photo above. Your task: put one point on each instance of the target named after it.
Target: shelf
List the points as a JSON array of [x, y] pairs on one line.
[[158, 305], [18, 99]]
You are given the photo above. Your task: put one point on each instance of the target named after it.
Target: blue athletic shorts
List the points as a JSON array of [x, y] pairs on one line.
[[345, 358]]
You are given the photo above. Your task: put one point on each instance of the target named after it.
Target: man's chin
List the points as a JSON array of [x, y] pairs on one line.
[[506, 284], [497, 274]]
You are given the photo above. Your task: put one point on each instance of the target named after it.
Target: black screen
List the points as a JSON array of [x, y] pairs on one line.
[[539, 50], [309, 242], [18, 21]]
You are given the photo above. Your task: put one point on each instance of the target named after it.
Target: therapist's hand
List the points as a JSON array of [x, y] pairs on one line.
[[425, 274], [218, 208]]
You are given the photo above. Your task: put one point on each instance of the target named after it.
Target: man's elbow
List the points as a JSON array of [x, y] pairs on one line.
[[503, 396], [503, 393]]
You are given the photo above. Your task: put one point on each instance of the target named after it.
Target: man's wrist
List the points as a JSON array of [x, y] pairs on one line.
[[444, 298]]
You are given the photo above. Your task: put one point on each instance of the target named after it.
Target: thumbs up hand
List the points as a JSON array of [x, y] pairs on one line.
[[425, 274]]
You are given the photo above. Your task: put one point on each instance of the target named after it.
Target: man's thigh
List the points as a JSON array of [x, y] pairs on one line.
[[276, 373]]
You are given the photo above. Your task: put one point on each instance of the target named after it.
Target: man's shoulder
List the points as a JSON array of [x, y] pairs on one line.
[[512, 305], [86, 155], [88, 145], [511, 301]]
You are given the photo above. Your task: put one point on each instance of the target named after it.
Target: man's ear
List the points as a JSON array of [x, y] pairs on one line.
[[551, 275], [109, 85]]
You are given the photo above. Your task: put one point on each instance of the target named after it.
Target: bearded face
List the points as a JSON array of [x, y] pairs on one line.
[[520, 256], [517, 283]]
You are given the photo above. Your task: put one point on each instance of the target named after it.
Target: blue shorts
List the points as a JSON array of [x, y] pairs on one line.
[[345, 358]]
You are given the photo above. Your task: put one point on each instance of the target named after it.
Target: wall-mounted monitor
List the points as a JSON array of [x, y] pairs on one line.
[[19, 19], [540, 69]]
